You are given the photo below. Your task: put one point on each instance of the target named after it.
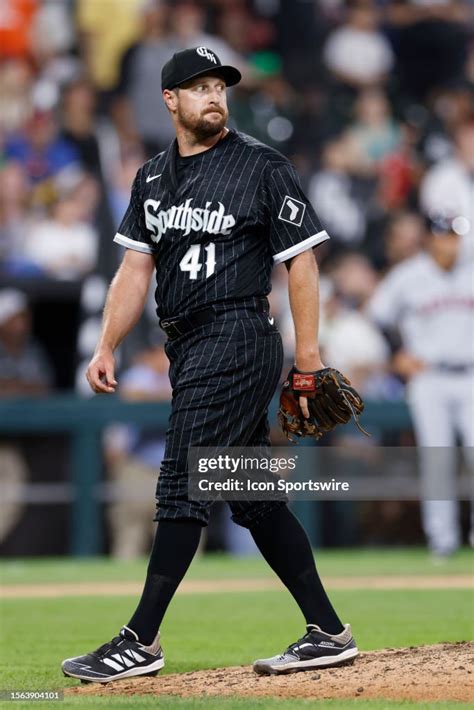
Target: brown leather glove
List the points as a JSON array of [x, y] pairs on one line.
[[331, 401]]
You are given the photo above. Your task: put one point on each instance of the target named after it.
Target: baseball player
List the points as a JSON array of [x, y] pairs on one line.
[[429, 300], [212, 214]]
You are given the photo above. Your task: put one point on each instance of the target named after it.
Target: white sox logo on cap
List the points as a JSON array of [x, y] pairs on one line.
[[192, 63], [204, 52]]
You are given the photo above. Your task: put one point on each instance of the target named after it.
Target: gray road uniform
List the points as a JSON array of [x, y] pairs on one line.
[[433, 311]]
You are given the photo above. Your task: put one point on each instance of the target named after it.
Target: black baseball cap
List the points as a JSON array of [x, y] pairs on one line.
[[194, 62]]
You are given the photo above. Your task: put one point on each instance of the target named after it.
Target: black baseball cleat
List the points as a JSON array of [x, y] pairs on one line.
[[314, 650], [122, 657]]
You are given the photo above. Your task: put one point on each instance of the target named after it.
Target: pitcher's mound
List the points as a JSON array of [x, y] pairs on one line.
[[440, 672]]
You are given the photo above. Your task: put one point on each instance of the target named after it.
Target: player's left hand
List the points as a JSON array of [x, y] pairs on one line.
[[328, 400], [307, 364]]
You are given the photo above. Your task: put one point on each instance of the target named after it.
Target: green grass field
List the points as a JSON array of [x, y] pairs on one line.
[[209, 630], [341, 563]]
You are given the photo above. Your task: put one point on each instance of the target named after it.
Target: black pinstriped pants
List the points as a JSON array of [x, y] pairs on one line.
[[223, 376]]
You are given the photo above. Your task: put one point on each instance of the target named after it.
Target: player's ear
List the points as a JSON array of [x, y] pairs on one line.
[[171, 99]]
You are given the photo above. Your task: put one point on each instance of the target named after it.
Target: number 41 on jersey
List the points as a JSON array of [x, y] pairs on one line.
[[191, 261]]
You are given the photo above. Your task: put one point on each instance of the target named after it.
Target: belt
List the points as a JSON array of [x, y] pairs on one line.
[[175, 327], [454, 368]]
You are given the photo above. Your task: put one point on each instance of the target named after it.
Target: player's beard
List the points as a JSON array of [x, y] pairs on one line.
[[203, 127]]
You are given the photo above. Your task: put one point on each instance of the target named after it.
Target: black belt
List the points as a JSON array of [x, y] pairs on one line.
[[175, 327], [455, 368]]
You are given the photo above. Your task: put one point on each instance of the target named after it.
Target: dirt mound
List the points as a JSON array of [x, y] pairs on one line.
[[430, 673]]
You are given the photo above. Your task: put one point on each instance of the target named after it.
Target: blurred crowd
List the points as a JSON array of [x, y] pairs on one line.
[[373, 101]]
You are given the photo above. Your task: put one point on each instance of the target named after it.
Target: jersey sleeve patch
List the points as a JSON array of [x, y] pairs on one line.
[[292, 211], [293, 224]]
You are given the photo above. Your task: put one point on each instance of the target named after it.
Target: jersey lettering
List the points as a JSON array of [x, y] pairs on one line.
[[186, 219]]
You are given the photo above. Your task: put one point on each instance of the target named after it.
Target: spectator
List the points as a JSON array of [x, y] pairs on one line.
[[16, 19], [24, 368], [431, 45], [267, 109], [40, 149], [354, 278], [78, 124], [357, 53], [24, 371], [139, 79], [15, 195], [403, 237], [64, 246], [397, 173], [188, 21], [243, 31], [100, 151], [300, 29], [352, 344], [449, 107], [16, 80], [375, 133], [331, 190], [53, 30], [379, 153], [120, 135], [53, 41], [350, 341], [448, 187], [107, 28]]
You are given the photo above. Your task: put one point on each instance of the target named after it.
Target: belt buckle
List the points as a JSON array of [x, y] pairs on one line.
[[169, 326], [167, 322]]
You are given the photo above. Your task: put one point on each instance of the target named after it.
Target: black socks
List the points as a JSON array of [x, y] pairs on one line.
[[282, 542], [174, 547], [285, 546]]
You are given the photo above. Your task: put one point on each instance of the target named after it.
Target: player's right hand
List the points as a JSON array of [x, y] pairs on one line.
[[100, 373], [406, 365]]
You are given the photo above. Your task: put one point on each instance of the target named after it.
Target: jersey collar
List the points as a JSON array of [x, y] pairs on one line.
[[169, 173]]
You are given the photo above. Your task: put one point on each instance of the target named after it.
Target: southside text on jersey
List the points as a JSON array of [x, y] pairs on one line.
[[186, 218]]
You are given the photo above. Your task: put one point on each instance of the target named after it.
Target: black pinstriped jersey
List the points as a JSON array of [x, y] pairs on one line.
[[216, 222]]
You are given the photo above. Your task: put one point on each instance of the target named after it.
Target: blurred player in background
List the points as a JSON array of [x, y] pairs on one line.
[[429, 301]]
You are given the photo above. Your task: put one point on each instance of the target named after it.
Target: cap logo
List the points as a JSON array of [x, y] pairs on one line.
[[204, 52]]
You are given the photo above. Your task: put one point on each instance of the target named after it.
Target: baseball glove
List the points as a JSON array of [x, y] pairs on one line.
[[331, 401]]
